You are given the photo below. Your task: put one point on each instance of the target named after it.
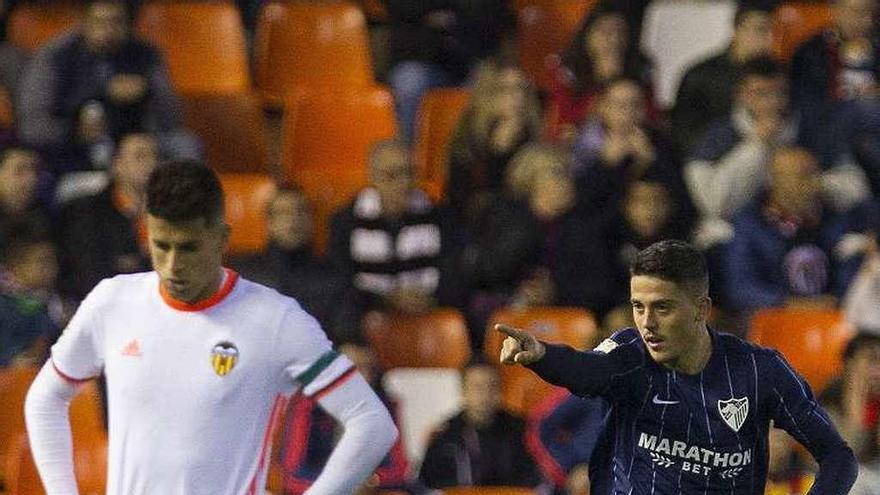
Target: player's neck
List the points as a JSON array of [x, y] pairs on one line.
[[693, 362], [212, 288]]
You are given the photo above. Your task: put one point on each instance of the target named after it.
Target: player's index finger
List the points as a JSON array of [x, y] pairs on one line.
[[511, 331]]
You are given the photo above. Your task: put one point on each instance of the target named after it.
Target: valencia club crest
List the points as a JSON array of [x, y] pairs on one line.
[[223, 357]]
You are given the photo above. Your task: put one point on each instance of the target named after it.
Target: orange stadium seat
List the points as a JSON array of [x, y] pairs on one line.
[[488, 490], [437, 339], [203, 42], [14, 383], [246, 198], [575, 327], [812, 340], [33, 23], [326, 140], [795, 22], [310, 43], [232, 130], [89, 445], [438, 117], [544, 29], [335, 128], [22, 476]]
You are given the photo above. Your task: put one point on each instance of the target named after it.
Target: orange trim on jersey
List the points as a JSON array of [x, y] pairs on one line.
[[222, 292], [334, 384], [67, 378], [267, 439]]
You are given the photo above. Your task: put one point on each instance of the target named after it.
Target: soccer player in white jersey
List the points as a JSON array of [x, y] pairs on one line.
[[198, 364]]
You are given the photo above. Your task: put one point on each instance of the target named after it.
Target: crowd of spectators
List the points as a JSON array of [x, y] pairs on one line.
[[772, 169]]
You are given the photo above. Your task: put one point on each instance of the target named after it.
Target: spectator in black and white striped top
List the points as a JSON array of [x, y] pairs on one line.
[[392, 241]]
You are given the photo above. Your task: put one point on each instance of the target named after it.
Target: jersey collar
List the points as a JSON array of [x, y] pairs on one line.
[[229, 281]]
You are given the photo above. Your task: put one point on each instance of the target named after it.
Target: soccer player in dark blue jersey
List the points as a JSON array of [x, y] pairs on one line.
[[691, 407]]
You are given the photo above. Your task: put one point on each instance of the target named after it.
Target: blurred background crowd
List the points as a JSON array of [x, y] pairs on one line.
[[412, 171]]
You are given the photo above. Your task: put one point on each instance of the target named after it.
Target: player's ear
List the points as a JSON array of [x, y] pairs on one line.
[[704, 306]]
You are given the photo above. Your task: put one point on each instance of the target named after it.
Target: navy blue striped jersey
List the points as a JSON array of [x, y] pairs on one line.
[[673, 433]]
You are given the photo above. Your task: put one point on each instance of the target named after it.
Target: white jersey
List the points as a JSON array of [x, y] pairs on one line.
[[193, 389]]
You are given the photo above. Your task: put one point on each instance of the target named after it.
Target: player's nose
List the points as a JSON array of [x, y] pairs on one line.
[[175, 264], [650, 320]]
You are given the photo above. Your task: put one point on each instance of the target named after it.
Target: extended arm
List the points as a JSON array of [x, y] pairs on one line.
[[369, 434], [48, 426], [584, 373]]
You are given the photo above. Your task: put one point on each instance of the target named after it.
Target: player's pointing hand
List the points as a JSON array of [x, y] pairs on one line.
[[519, 347]]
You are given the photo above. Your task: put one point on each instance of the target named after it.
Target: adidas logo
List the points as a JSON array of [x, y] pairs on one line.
[[132, 349]]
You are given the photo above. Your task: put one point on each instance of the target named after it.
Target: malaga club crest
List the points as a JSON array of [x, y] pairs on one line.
[[223, 357], [734, 412]]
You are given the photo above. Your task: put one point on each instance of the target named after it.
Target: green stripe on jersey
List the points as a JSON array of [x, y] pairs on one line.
[[306, 377]]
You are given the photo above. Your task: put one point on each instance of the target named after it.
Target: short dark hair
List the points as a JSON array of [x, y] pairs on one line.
[[764, 67], [675, 261], [185, 190], [747, 7]]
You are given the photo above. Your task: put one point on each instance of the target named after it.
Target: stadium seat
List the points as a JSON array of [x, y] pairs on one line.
[[678, 33], [436, 339], [795, 22], [318, 122], [544, 29], [203, 42], [232, 129], [812, 340], [438, 117], [246, 197], [521, 388], [35, 22], [426, 397], [22, 477], [14, 383], [488, 490], [89, 445], [326, 140], [310, 43]]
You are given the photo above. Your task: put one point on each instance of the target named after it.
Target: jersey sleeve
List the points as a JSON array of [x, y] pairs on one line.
[[606, 371], [313, 366], [78, 355], [794, 409]]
